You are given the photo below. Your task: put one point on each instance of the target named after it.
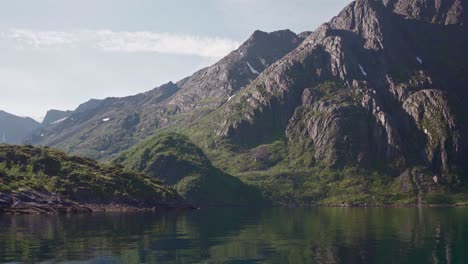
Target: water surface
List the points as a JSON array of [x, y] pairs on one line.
[[240, 235]]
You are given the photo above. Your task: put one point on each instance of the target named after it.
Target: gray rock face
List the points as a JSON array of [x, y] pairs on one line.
[[102, 127], [213, 85], [15, 129], [55, 115], [367, 89], [447, 12]]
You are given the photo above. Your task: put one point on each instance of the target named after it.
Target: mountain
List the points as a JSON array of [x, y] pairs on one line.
[[378, 88], [15, 129], [42, 180], [366, 89], [55, 116], [103, 128], [177, 162], [368, 108]]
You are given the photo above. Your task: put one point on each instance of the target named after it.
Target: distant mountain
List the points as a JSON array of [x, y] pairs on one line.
[[54, 116], [15, 129]]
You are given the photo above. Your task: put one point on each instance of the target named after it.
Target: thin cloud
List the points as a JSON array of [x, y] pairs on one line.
[[164, 43], [124, 41], [40, 39]]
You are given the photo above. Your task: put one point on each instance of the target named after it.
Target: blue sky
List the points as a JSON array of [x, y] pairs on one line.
[[57, 54]]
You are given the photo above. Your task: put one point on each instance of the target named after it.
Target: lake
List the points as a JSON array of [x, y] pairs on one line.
[[241, 235]]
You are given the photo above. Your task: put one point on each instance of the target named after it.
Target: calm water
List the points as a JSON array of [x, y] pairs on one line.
[[238, 235]]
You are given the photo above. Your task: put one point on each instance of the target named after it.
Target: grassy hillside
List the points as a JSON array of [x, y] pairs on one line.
[[282, 174], [176, 161], [79, 179]]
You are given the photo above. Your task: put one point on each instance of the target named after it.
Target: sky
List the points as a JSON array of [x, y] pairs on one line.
[[57, 54]]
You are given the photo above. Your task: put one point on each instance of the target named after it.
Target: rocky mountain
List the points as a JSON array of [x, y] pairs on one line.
[[102, 128], [210, 87], [39, 180], [55, 116], [15, 129], [366, 89], [379, 88], [368, 108]]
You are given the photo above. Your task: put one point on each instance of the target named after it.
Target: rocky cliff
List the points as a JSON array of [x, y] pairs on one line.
[[379, 86]]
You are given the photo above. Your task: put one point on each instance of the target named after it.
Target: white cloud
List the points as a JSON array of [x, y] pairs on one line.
[[40, 39], [145, 41], [124, 41]]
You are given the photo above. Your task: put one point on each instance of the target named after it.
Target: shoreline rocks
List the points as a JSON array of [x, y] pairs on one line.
[[34, 202]]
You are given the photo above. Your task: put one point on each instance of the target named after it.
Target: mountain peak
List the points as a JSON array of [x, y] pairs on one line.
[[54, 115], [235, 71], [261, 37]]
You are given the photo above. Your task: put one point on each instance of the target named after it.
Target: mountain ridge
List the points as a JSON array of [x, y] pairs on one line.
[[15, 129], [135, 117], [369, 104]]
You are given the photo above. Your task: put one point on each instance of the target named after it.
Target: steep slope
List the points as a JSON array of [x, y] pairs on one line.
[[379, 87], [102, 128], [15, 129], [54, 116], [37, 180], [213, 85], [176, 161]]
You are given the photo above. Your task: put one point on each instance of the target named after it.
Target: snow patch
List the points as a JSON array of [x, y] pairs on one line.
[[42, 134], [435, 179], [59, 121], [252, 69], [426, 131], [362, 70], [105, 119], [229, 99], [419, 60]]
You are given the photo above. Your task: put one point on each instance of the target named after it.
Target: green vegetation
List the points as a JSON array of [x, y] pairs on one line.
[[76, 178], [326, 186], [176, 161]]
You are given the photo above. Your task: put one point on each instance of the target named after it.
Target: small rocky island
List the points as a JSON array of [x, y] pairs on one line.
[[37, 180]]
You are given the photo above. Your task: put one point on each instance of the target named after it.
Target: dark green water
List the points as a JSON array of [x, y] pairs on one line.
[[239, 235]]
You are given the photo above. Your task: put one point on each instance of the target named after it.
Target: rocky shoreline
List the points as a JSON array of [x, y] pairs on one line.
[[33, 202]]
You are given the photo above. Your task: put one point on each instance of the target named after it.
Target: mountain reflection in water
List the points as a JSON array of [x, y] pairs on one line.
[[242, 235]]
